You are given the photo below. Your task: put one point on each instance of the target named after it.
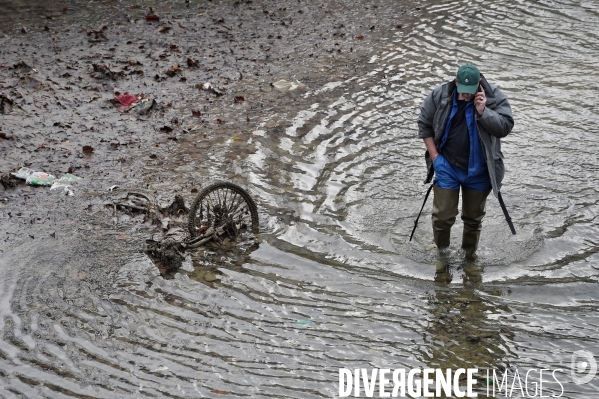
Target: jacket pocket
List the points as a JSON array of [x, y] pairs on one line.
[[438, 162]]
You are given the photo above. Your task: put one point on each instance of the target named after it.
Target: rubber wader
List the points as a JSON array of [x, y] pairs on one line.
[[473, 211], [445, 210]]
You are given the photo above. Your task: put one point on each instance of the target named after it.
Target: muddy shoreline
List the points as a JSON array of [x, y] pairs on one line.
[[210, 67]]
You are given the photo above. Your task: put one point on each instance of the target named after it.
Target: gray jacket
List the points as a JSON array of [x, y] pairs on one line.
[[496, 122]]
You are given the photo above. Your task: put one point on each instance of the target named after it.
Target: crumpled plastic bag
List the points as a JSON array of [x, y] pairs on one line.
[[65, 183], [34, 178], [285, 86], [126, 100]]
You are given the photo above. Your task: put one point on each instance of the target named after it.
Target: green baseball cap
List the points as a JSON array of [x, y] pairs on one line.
[[468, 77]]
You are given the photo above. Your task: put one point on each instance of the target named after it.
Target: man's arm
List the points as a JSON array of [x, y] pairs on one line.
[[498, 122], [431, 147]]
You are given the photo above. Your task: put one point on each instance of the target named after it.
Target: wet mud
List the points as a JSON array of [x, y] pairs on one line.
[[208, 66]]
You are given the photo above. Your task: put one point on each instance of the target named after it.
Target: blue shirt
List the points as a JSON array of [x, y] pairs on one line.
[[476, 160]]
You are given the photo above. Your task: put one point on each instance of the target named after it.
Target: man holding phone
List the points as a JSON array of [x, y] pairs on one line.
[[461, 123]]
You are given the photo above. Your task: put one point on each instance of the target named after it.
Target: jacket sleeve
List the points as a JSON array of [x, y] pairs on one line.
[[425, 119], [497, 121]]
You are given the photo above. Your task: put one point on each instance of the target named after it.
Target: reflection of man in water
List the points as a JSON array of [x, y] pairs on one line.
[[461, 123]]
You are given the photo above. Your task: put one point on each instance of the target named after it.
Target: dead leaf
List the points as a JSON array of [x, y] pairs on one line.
[[88, 149], [239, 99], [196, 113], [152, 17], [164, 29], [360, 37]]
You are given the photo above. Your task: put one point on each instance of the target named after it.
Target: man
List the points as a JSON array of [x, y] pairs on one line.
[[462, 122]]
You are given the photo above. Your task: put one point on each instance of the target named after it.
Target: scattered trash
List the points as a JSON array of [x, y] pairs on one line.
[[40, 179], [64, 184], [306, 322], [140, 105], [285, 86], [187, 264], [144, 106], [169, 251], [126, 100], [22, 173], [136, 200], [178, 206], [219, 215], [209, 88], [44, 179], [34, 178]]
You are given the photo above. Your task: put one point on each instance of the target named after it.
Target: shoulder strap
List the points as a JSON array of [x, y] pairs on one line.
[[508, 219]]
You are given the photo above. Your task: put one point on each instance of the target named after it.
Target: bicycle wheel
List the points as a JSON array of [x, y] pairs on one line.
[[224, 206]]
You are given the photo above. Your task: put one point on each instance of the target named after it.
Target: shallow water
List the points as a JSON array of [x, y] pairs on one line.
[[335, 281]]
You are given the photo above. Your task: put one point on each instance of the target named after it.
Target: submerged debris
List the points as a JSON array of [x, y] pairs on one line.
[[285, 86], [210, 89], [169, 252]]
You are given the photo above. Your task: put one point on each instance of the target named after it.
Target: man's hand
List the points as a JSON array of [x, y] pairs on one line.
[[480, 100], [431, 147]]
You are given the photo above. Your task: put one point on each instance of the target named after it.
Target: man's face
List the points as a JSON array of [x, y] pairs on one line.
[[464, 96]]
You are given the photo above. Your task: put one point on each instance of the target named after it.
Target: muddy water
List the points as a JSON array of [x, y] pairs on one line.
[[338, 173]]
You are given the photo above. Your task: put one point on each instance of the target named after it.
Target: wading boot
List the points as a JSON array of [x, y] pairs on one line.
[[445, 210], [473, 211]]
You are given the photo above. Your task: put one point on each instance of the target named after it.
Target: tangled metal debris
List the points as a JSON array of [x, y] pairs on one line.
[[221, 210]]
